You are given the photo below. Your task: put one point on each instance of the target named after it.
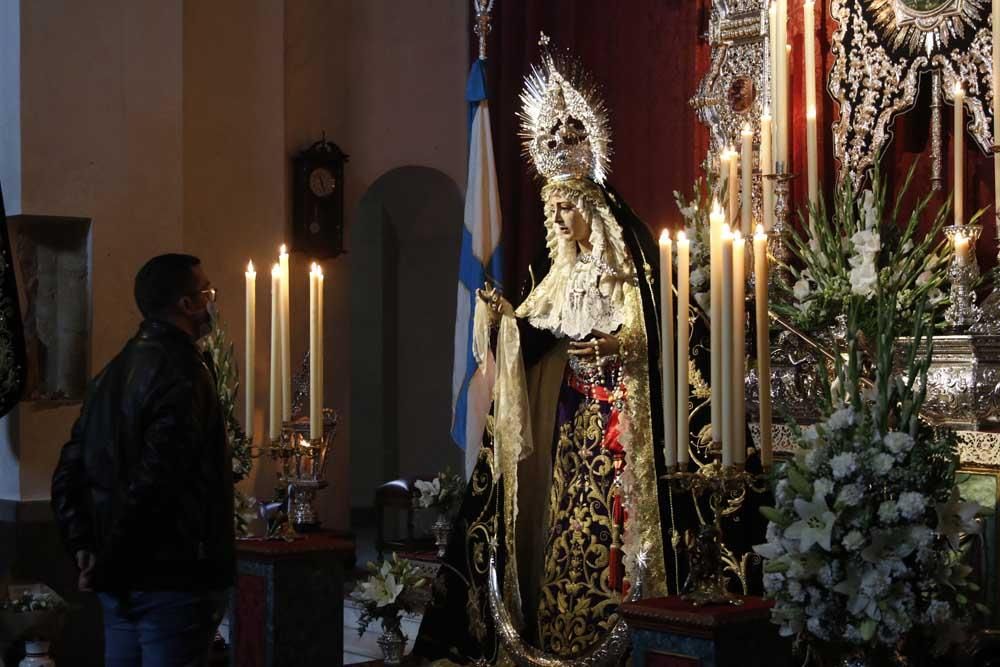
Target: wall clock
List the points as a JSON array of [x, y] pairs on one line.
[[318, 200]]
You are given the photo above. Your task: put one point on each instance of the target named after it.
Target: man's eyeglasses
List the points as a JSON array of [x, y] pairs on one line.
[[211, 292]]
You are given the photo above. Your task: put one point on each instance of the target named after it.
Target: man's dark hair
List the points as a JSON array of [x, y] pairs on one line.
[[164, 280]]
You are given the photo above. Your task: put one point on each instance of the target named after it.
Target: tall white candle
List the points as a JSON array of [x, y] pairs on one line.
[[812, 159], [683, 332], [724, 158], [734, 189], [962, 249], [761, 277], [286, 338], [996, 107], [321, 344], [726, 386], [766, 167], [315, 412], [739, 350], [667, 349], [716, 222], [251, 350], [746, 183], [809, 51], [772, 51], [274, 415], [959, 148], [782, 59]]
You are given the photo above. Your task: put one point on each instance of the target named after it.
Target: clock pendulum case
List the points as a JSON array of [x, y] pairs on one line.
[[318, 200]]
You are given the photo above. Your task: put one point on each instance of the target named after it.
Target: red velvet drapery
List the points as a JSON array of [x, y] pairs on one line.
[[649, 55]]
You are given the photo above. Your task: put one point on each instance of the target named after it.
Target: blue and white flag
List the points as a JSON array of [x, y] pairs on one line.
[[481, 256]]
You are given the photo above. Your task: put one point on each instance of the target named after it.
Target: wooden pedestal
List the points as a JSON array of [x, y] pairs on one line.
[[289, 601], [669, 632]]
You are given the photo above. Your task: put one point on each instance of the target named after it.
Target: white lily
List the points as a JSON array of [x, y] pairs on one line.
[[815, 524]]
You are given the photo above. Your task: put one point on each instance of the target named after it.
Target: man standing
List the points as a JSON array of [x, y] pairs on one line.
[[143, 491]]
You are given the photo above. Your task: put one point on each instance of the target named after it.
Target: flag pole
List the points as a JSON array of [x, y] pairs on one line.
[[483, 24]]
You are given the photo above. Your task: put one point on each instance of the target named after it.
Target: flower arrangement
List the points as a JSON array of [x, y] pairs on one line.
[[29, 601], [443, 493], [863, 544], [860, 249], [31, 612], [390, 590], [227, 384]]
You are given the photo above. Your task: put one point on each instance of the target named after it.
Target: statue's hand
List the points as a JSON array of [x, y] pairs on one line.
[[601, 345], [491, 297]]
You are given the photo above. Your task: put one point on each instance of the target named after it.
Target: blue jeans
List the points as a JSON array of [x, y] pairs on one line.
[[160, 628]]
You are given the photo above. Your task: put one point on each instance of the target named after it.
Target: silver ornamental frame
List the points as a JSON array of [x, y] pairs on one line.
[[738, 37], [881, 50]]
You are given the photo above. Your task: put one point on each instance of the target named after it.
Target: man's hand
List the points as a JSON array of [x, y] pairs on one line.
[[86, 561]]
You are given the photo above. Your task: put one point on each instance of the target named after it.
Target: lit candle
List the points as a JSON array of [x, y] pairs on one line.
[[766, 167], [761, 276], [746, 186], [251, 349], [959, 148], [734, 189], [274, 417], [726, 386], [315, 397], [812, 158], [667, 349], [716, 222], [809, 52], [996, 108], [286, 339], [739, 350], [962, 249], [683, 331], [320, 282]]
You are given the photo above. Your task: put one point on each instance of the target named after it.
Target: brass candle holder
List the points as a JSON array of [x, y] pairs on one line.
[[778, 235], [726, 488], [302, 465]]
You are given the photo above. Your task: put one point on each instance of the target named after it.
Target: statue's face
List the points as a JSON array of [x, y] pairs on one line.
[[570, 223]]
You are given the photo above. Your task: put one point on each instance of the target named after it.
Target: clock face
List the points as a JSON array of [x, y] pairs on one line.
[[322, 182]]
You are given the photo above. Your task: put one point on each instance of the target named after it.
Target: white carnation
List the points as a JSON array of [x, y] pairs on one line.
[[843, 465], [887, 511], [850, 495], [911, 504], [882, 463], [840, 419], [698, 277], [801, 289], [823, 486], [853, 540], [897, 442]]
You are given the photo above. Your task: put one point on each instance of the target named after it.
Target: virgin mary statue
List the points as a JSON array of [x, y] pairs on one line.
[[564, 508]]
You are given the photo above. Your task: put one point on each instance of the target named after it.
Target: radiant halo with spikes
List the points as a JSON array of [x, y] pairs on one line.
[[564, 123]]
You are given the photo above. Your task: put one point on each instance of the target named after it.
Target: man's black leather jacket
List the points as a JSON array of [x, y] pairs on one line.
[[145, 481]]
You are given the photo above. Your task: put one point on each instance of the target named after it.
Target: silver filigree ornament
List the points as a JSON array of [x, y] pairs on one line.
[[737, 87], [881, 49], [564, 123]]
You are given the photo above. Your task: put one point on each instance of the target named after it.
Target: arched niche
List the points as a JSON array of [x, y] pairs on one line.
[[404, 272]]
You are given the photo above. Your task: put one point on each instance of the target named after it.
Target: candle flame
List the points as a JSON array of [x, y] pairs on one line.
[[959, 91], [665, 237], [716, 208], [759, 232], [283, 250], [250, 267], [682, 237], [773, 9], [788, 49], [737, 236], [727, 232], [811, 113], [766, 115], [276, 271], [746, 129]]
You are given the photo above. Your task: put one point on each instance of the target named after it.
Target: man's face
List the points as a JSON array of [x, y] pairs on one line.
[[199, 306], [570, 223]]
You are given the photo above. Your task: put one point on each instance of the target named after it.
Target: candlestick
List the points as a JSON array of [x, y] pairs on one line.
[[716, 222], [732, 215], [959, 148], [746, 186], [726, 247], [766, 167], [683, 332], [761, 271], [812, 158], [739, 350], [963, 273], [315, 402], [667, 350], [286, 338], [251, 350], [274, 415]]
